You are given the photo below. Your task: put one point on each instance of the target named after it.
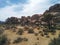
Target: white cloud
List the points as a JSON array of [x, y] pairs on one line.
[[34, 6]]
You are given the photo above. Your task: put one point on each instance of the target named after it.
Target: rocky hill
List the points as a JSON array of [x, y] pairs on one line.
[[55, 9], [35, 20]]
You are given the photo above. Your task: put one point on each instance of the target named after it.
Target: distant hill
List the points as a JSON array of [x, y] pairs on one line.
[[1, 22]]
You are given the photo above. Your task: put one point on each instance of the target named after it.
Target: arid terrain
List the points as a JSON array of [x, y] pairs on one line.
[[39, 29], [32, 38]]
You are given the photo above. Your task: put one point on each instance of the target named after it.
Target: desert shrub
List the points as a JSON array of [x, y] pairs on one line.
[[49, 30], [42, 26], [38, 28], [59, 35], [10, 26], [3, 26], [7, 27], [53, 33], [18, 40], [20, 32], [30, 31], [46, 30], [45, 33], [35, 43], [55, 41], [58, 27], [14, 30], [26, 28], [36, 34], [3, 40], [42, 34], [40, 31], [37, 38], [13, 26], [25, 39], [47, 36], [1, 30]]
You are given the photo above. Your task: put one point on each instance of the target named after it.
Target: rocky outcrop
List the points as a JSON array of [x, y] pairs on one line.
[[36, 18], [55, 9], [33, 20]]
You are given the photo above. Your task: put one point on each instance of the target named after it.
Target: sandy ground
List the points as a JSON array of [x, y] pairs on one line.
[[32, 39]]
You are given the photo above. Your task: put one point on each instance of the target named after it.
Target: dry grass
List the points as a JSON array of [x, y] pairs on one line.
[[32, 39]]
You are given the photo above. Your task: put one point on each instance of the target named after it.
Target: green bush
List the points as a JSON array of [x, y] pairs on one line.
[[47, 36], [42, 34], [40, 31], [25, 39], [45, 33], [20, 32], [3, 40], [36, 34], [30, 31], [18, 40], [37, 38], [55, 41], [58, 27], [1, 31]]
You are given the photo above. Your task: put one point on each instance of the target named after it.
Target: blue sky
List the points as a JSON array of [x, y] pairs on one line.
[[20, 8]]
